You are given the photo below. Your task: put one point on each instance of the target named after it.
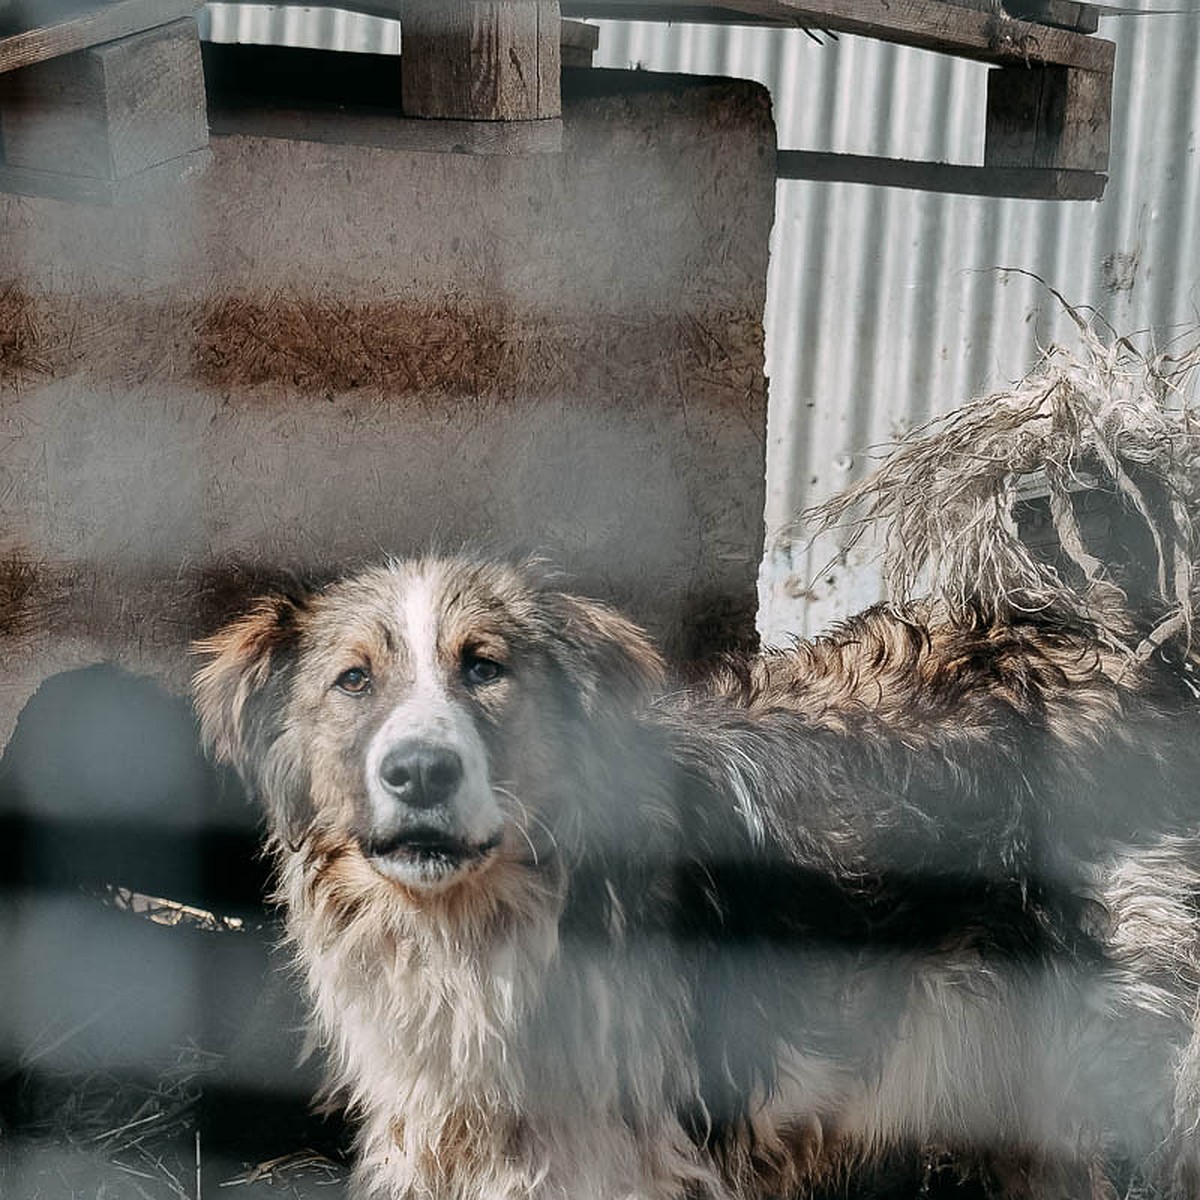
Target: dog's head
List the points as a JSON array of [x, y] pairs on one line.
[[425, 713]]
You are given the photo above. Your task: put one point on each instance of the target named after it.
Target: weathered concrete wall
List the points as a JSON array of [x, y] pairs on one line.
[[317, 354]]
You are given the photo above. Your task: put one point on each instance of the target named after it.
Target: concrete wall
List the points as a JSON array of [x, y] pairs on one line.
[[317, 353]]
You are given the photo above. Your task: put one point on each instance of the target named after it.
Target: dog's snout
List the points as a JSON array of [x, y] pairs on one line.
[[420, 774]]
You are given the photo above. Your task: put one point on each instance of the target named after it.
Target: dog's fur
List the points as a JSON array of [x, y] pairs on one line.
[[912, 890]]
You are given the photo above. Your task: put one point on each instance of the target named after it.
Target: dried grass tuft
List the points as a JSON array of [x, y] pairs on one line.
[[93, 1133], [22, 336], [33, 593], [1104, 416]]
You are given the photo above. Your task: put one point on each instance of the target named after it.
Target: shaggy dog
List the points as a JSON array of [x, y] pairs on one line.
[[915, 892]]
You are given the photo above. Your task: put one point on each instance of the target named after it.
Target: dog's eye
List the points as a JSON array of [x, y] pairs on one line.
[[478, 670], [353, 682]]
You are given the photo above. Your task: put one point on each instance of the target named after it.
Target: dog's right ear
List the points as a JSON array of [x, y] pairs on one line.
[[612, 661], [241, 698]]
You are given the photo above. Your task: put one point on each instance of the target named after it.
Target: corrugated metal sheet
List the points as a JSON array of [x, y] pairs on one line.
[[314, 27], [886, 306]]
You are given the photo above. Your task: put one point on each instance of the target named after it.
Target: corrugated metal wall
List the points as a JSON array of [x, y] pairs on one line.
[[317, 27], [887, 306]]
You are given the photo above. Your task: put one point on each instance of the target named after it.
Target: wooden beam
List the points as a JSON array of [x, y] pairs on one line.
[[1046, 116], [105, 23], [110, 111], [676, 12], [508, 139], [578, 43], [85, 189], [924, 24], [1022, 183], [1062, 14], [480, 60]]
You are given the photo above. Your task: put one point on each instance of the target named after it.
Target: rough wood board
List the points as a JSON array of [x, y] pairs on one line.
[[1020, 183], [53, 116], [508, 138], [548, 34], [20, 181], [110, 111], [104, 24], [481, 60], [1063, 14], [579, 35], [926, 24], [676, 12], [1048, 117]]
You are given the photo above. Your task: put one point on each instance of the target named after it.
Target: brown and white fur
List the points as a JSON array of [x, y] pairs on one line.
[[915, 892]]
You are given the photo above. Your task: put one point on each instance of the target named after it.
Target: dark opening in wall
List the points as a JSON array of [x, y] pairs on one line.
[[149, 1029], [104, 784]]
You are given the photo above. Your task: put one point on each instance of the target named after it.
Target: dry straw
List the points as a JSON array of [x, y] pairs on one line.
[[1103, 415]]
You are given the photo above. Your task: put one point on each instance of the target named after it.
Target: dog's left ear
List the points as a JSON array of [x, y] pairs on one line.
[[612, 660], [241, 700]]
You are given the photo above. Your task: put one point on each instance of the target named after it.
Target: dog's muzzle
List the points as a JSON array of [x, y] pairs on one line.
[[427, 827]]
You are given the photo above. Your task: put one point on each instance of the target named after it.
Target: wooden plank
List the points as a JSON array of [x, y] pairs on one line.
[[113, 20], [580, 35], [388, 131], [22, 181], [548, 58], [1062, 14], [682, 12], [480, 60], [1048, 117], [109, 111], [53, 116], [1023, 183], [925, 24], [578, 43]]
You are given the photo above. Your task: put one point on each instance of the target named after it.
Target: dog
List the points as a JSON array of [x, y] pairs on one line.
[[915, 900]]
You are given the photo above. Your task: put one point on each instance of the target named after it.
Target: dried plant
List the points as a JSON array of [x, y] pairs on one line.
[[1103, 415]]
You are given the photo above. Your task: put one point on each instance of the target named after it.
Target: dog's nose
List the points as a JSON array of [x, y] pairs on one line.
[[421, 775]]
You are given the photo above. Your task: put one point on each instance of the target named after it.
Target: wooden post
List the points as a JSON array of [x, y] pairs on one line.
[[578, 43], [480, 60], [1048, 116]]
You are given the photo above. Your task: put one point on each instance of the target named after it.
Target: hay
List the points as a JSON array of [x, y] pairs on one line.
[[88, 1132], [328, 346], [311, 1166], [171, 913], [33, 593], [22, 322], [87, 1117], [91, 1132], [1103, 416]]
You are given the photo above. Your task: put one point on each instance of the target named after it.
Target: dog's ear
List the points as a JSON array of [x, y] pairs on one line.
[[610, 659], [241, 698]]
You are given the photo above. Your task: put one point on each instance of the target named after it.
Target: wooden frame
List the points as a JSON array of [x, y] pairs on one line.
[[1049, 99], [103, 101], [1049, 95], [93, 25]]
